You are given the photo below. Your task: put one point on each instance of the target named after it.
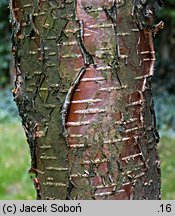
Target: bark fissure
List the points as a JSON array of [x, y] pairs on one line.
[[112, 15], [69, 97], [88, 59]]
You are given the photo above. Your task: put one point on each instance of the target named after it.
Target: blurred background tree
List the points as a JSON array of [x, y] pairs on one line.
[[7, 108], [165, 44], [164, 79], [14, 182], [5, 56]]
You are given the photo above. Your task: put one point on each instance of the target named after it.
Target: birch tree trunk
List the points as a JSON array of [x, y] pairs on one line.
[[83, 71]]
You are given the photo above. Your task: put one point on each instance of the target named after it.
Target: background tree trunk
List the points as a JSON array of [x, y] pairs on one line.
[[83, 71]]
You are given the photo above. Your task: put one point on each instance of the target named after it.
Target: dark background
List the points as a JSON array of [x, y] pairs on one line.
[[14, 156]]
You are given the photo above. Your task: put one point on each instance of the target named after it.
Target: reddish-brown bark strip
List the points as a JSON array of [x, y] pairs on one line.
[[91, 120]]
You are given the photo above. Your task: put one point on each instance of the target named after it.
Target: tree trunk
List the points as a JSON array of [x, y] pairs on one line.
[[83, 71]]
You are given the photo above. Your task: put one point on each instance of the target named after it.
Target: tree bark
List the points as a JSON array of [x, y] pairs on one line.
[[83, 71]]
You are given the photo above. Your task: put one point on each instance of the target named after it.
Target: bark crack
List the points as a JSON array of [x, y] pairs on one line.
[[111, 13], [88, 58], [68, 98]]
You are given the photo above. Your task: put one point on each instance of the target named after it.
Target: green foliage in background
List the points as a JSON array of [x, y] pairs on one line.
[[165, 113], [15, 183], [5, 55], [8, 108], [167, 152], [164, 78], [168, 10], [3, 2]]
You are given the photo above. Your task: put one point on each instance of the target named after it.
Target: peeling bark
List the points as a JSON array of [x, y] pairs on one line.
[[83, 72]]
